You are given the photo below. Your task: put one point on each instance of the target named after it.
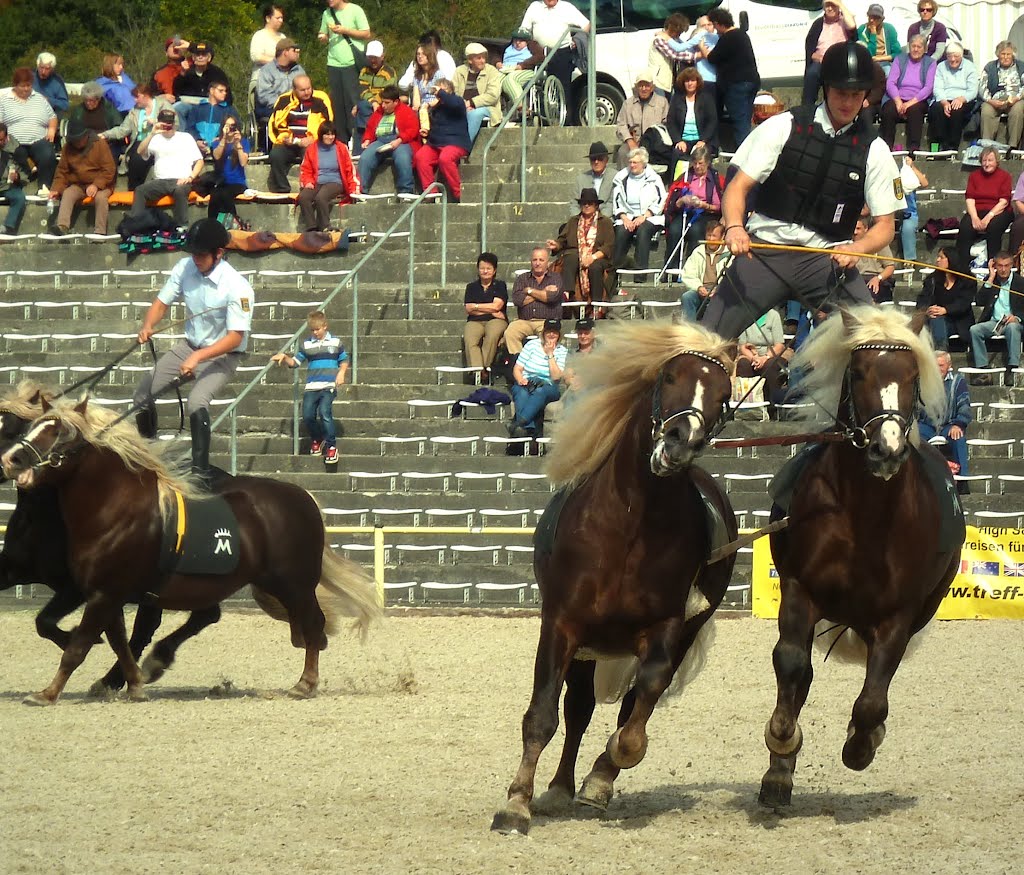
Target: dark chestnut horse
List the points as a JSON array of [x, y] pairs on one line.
[[875, 527], [35, 551], [624, 578], [115, 495]]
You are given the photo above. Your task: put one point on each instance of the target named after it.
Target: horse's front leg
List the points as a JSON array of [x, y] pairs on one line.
[[578, 708], [147, 621], [867, 727], [64, 601], [117, 636], [95, 619], [597, 788], [554, 652], [793, 675]]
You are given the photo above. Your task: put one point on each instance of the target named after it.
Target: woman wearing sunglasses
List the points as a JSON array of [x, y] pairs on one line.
[[933, 31]]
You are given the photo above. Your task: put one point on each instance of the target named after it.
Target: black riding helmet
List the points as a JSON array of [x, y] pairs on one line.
[[206, 236], [847, 65]]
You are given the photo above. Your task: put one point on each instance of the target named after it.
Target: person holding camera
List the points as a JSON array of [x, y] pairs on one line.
[[205, 120], [230, 155], [177, 162]]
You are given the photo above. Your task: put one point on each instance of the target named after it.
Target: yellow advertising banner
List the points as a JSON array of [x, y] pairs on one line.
[[989, 584]]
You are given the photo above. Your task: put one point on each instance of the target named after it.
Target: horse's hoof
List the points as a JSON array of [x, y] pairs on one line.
[[137, 694], [784, 747], [302, 691], [775, 793], [152, 669], [623, 756], [38, 700], [859, 750], [100, 690], [512, 820], [596, 792], [554, 800]]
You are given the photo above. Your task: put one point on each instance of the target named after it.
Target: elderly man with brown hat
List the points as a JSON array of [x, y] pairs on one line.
[[586, 243], [640, 112], [86, 169], [479, 84]]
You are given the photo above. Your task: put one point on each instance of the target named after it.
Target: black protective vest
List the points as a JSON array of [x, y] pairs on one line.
[[818, 181]]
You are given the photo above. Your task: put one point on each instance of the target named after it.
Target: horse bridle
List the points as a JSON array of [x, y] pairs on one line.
[[50, 459], [857, 432], [660, 423]]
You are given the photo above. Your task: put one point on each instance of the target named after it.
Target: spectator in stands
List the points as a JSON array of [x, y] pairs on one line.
[[485, 301], [955, 419], [700, 204], [328, 364], [538, 296], [426, 75], [1002, 301], [537, 374], [230, 153], [989, 190], [373, 79], [263, 45], [692, 120], [518, 63], [760, 350], [736, 68], [197, 73], [479, 85], [277, 78], [948, 298], [392, 131], [443, 60], [666, 51], [909, 86], [879, 37], [702, 39], [546, 21], [638, 203], [14, 171], [1017, 228], [642, 110], [877, 269], [586, 343], [956, 96], [205, 120], [48, 83], [703, 271], [117, 85], [95, 112], [872, 104], [138, 125], [933, 31], [294, 123], [908, 228], [447, 141], [325, 178], [165, 77], [1002, 86], [597, 178], [177, 162], [343, 26], [32, 123], [586, 243], [836, 24], [86, 169]]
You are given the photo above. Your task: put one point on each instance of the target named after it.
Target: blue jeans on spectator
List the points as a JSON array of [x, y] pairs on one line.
[[363, 113], [983, 331], [318, 415], [530, 405], [956, 448], [15, 196], [812, 83], [475, 118], [940, 332], [908, 236], [401, 157], [738, 99], [691, 301], [43, 156]]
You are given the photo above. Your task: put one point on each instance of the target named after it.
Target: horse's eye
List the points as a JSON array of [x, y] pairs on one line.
[[856, 375], [669, 379]]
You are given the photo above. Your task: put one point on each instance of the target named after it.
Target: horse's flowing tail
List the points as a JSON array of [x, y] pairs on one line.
[[345, 590], [844, 645]]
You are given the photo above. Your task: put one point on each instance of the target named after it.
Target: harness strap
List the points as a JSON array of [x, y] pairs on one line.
[[742, 541]]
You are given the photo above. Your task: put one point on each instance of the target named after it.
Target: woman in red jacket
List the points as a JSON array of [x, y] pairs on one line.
[[988, 207], [325, 178]]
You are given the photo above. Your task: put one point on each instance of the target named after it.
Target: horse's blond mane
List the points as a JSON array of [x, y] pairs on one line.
[[622, 368], [826, 355], [19, 401]]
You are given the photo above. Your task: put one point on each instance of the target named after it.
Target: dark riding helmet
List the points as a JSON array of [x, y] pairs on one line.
[[847, 65], [206, 236]]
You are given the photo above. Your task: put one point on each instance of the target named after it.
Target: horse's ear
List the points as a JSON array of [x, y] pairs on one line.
[[918, 321], [849, 320], [37, 396], [81, 405], [47, 406]]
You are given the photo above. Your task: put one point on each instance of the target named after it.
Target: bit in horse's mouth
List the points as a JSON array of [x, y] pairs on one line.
[[24, 479]]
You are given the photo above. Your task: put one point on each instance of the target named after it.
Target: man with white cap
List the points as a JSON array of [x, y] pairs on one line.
[[374, 77], [479, 84], [641, 111]]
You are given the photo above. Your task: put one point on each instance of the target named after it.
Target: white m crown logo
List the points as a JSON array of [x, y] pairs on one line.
[[223, 537]]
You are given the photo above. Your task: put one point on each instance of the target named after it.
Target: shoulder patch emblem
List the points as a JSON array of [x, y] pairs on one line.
[[897, 187], [247, 306]]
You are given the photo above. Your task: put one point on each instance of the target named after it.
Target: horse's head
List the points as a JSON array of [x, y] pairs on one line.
[[883, 391], [46, 446], [691, 395]]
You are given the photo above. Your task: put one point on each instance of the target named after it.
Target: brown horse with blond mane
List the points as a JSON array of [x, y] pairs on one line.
[[116, 495], [627, 590]]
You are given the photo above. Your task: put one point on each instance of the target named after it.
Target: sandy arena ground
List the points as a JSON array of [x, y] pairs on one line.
[[400, 763]]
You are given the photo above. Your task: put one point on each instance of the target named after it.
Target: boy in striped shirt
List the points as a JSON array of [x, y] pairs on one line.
[[328, 365]]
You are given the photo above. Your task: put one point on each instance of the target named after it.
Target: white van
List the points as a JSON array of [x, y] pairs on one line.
[[626, 28]]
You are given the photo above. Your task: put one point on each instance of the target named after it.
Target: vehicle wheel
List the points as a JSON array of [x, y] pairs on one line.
[[553, 102], [609, 102]]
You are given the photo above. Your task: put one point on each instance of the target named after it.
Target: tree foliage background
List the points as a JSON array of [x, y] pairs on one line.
[[80, 33]]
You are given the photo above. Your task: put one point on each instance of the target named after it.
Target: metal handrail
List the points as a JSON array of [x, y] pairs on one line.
[[231, 411]]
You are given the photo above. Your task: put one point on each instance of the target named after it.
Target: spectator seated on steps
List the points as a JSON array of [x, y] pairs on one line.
[[909, 86], [948, 299], [165, 77], [50, 84], [294, 123], [1002, 87], [518, 63], [1002, 301], [374, 77], [703, 271], [479, 85], [205, 120], [987, 199], [14, 172], [197, 72], [486, 320], [392, 133], [955, 91], [836, 24], [598, 177], [586, 342], [538, 296], [537, 375], [761, 346], [585, 244], [326, 176], [98, 114], [642, 110], [32, 124], [86, 169], [447, 141], [177, 163], [638, 203], [277, 78], [117, 85], [955, 419], [878, 269]]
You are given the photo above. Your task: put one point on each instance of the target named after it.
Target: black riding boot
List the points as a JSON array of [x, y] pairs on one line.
[[200, 425], [145, 421]]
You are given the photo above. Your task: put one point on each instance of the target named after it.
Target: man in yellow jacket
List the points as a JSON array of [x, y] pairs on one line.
[[294, 123]]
